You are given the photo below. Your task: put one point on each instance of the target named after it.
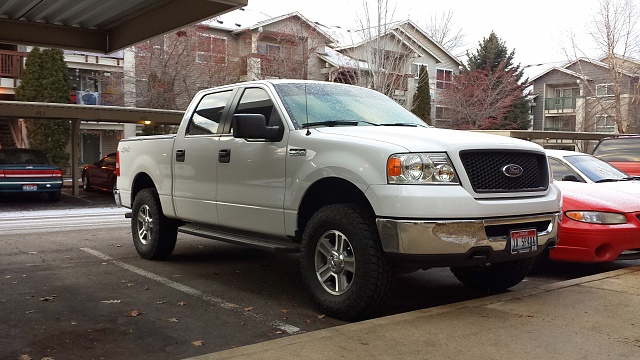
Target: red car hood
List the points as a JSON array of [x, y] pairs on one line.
[[622, 196]]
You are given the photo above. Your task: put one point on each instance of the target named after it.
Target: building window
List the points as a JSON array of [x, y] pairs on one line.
[[268, 49], [443, 77], [416, 68], [211, 49], [605, 123], [605, 90], [443, 117]]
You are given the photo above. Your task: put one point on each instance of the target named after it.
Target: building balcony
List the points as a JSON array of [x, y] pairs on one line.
[[11, 67], [561, 105]]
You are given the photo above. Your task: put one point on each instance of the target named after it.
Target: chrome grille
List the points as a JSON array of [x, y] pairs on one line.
[[485, 171]]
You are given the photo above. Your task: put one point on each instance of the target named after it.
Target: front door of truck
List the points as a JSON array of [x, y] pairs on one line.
[[251, 173], [194, 162]]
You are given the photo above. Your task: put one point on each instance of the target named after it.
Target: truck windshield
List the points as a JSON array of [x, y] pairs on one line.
[[330, 104]]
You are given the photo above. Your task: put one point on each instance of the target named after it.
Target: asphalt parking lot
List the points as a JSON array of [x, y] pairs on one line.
[[73, 287], [36, 202]]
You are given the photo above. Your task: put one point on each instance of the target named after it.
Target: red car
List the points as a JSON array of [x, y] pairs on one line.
[[600, 208], [101, 174]]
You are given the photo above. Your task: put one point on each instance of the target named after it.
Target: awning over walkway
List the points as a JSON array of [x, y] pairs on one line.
[[102, 26], [117, 114]]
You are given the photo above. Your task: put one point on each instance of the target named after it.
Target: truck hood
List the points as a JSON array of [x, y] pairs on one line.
[[417, 139]]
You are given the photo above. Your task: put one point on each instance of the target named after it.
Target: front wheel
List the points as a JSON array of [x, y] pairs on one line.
[[154, 235], [494, 277], [342, 262]]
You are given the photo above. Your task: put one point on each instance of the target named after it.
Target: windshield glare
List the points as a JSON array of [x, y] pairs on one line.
[[594, 168], [318, 103]]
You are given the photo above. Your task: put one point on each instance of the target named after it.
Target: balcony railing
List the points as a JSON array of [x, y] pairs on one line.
[[560, 105], [11, 63]]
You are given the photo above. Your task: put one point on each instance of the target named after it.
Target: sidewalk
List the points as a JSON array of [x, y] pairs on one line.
[[594, 317]]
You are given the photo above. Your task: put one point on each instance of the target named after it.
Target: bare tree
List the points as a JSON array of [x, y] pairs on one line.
[[285, 49], [385, 60], [171, 68], [616, 38], [441, 28]]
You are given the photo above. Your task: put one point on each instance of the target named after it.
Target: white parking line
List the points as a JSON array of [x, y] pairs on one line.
[[290, 329]]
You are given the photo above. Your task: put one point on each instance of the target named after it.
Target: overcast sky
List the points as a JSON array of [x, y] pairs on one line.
[[536, 30]]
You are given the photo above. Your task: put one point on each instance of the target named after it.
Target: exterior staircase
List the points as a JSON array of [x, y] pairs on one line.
[[7, 140]]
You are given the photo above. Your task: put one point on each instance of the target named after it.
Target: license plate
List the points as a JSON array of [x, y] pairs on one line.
[[524, 241], [29, 187]]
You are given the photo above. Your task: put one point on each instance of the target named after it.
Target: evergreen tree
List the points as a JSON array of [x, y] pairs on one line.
[[491, 53], [46, 79], [422, 97]]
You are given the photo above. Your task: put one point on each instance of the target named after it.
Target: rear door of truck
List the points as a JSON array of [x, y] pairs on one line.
[[195, 156]]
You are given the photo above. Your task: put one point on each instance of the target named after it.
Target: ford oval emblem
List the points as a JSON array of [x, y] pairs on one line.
[[512, 170]]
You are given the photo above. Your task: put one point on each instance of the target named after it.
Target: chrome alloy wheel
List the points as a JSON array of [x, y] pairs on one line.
[[145, 224], [335, 262]]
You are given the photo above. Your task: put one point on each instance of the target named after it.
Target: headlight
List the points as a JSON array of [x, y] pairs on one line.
[[420, 168], [597, 217]]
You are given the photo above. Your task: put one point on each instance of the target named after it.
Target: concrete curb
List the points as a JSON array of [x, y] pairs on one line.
[[349, 330]]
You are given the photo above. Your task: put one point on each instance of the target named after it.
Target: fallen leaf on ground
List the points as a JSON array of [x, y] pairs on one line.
[[47, 298], [308, 321], [129, 284], [248, 308], [24, 357], [197, 343], [47, 358], [172, 320], [279, 332], [29, 312], [284, 311], [160, 302], [133, 313], [111, 301], [321, 316], [182, 303]]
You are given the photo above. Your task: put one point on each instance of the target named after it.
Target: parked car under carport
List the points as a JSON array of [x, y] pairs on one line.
[[29, 171]]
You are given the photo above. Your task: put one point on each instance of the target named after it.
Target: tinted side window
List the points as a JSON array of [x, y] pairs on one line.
[[558, 169], [257, 101], [623, 149], [206, 118]]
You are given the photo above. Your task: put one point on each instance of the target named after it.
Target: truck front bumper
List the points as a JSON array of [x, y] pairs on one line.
[[463, 242]]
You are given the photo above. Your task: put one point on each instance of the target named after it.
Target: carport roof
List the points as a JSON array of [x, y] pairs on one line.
[[101, 26]]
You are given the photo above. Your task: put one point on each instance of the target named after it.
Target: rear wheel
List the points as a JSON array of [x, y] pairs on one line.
[[342, 262], [494, 277], [154, 235]]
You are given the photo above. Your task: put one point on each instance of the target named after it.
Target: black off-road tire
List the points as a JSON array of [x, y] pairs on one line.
[[494, 277], [154, 235], [365, 278]]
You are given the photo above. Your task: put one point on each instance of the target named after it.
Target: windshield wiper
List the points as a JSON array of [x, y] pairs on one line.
[[401, 124], [610, 180], [336, 123]]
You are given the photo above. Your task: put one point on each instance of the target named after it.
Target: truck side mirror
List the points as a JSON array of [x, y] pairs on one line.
[[254, 126]]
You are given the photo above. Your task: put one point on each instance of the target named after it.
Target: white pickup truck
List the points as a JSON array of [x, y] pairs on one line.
[[347, 177]]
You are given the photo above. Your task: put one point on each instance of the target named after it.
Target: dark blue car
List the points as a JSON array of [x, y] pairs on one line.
[[29, 171]]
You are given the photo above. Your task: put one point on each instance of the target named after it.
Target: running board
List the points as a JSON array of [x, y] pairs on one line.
[[274, 244]]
